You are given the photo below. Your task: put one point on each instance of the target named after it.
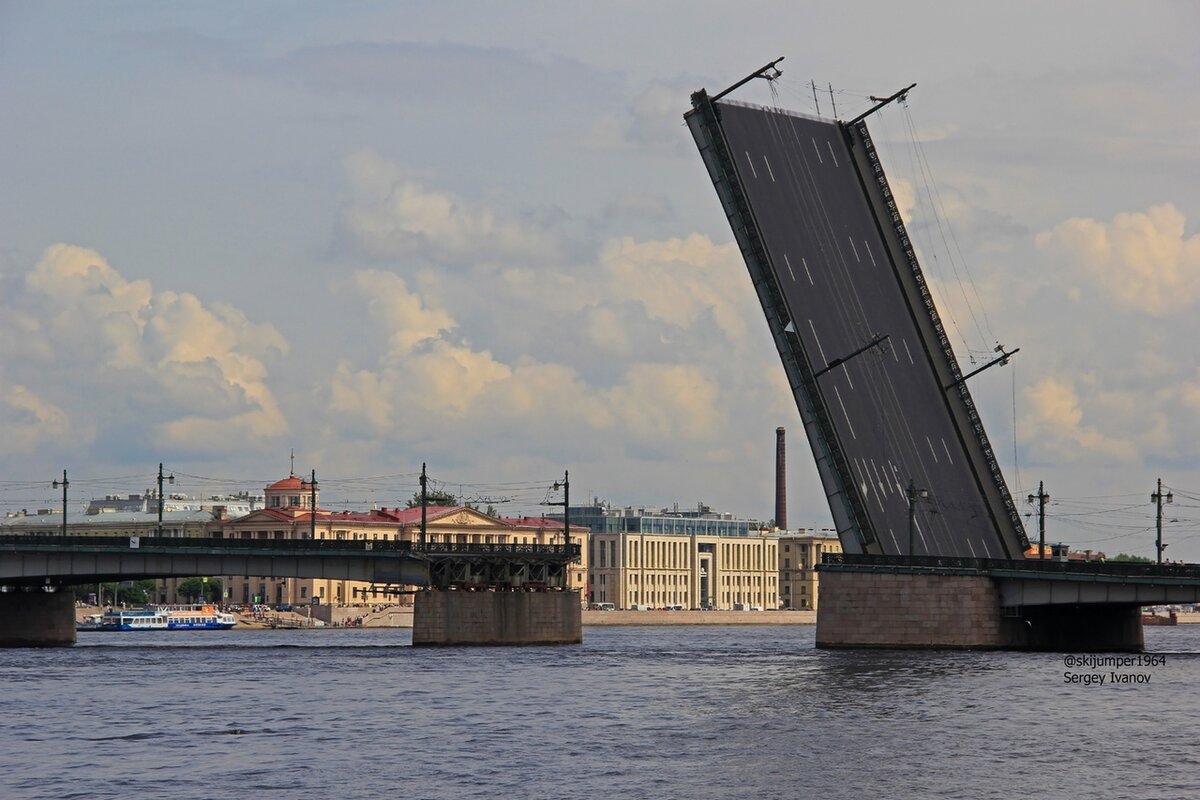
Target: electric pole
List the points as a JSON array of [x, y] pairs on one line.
[[1042, 498], [170, 479], [64, 483], [312, 505], [424, 503], [1158, 498], [914, 494]]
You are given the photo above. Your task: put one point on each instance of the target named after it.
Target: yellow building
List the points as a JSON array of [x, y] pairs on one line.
[[799, 553], [637, 570], [288, 515]]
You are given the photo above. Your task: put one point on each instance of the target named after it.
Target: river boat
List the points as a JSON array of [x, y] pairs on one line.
[[166, 618]]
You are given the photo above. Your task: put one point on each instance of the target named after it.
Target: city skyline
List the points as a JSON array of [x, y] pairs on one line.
[[482, 239]]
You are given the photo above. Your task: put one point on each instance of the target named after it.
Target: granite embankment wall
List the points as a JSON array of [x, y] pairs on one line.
[[496, 618], [861, 609]]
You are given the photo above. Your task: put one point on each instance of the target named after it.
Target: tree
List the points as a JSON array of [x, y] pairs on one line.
[[200, 589], [434, 497], [1136, 559]]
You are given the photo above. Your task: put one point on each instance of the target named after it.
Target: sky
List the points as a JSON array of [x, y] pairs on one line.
[[479, 236]]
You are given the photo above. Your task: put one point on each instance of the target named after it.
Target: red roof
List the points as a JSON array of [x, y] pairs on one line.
[[290, 483]]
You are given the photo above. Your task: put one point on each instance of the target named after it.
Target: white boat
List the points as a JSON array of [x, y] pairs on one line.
[[165, 618]]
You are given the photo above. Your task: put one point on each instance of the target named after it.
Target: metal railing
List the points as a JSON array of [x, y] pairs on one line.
[[988, 565], [58, 542]]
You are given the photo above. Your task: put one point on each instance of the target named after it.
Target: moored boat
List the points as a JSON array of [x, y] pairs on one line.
[[165, 618]]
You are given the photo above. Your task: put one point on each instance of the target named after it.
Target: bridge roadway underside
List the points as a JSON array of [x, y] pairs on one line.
[[993, 604]]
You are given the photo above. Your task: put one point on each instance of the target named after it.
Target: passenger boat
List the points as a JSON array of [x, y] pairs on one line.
[[167, 618]]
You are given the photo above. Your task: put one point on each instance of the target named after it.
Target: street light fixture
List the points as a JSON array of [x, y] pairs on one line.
[[170, 479], [914, 494], [64, 483]]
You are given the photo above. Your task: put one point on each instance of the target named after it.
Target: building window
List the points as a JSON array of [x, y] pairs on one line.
[[303, 592]]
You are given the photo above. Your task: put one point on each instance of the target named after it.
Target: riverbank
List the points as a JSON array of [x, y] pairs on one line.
[[401, 617]]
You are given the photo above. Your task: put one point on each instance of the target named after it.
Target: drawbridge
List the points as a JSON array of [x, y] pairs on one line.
[[883, 401]]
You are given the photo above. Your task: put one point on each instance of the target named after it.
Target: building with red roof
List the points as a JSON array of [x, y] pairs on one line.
[[289, 514]]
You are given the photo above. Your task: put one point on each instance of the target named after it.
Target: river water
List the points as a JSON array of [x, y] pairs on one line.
[[655, 712]]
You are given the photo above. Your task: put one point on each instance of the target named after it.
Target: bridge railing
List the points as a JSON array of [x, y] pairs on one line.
[[1048, 565], [551, 551]]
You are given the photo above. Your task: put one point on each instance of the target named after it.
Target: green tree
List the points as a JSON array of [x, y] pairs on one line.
[[200, 589], [1136, 559], [434, 497]]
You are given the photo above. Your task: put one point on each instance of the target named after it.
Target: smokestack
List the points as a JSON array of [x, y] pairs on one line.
[[780, 480]]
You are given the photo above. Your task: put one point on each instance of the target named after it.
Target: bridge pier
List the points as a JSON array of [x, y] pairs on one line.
[[900, 607], [37, 619], [461, 617]]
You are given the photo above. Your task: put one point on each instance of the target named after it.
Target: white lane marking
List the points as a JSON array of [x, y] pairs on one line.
[[804, 261], [863, 485], [769, 170], [835, 161], [789, 266], [846, 413], [895, 355], [877, 481], [750, 161], [817, 150], [909, 352], [895, 543], [846, 371], [855, 249], [896, 476], [971, 547], [931, 450], [875, 470], [870, 255], [817, 339], [947, 449]]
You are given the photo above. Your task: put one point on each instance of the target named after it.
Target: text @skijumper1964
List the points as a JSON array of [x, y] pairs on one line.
[[1104, 670]]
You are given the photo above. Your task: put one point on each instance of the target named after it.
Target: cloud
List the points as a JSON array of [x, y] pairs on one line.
[[1140, 260], [192, 375], [680, 281], [28, 422], [1057, 426], [398, 218]]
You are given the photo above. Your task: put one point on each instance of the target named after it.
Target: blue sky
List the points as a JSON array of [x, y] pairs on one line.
[[478, 235]]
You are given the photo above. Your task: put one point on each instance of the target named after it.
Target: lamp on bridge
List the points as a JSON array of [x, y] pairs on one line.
[[64, 483], [170, 479], [914, 494]]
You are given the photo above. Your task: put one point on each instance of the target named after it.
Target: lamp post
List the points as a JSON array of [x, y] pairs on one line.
[[170, 479], [1157, 498], [1042, 498], [64, 483], [914, 494]]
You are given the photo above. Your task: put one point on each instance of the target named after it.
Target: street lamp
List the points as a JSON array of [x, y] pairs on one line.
[[914, 494], [170, 479], [64, 483]]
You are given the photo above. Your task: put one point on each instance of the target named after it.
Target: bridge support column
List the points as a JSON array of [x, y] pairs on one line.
[[922, 608], [37, 619], [458, 617]]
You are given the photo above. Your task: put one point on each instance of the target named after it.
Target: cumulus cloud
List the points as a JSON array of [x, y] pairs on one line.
[[1057, 426], [28, 421], [1141, 260], [393, 216], [680, 281], [193, 375]]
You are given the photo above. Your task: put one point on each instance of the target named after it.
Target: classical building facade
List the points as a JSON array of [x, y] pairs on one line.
[[288, 515], [658, 570], [799, 553]]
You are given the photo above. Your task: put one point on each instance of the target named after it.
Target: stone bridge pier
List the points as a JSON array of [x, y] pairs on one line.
[[37, 618]]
